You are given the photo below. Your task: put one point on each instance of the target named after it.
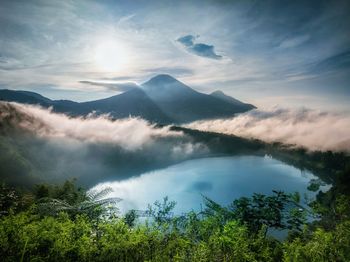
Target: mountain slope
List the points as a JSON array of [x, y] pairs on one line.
[[184, 104], [221, 95], [130, 103], [134, 102], [24, 97]]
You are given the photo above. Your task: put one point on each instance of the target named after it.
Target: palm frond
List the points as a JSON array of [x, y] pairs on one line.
[[99, 194], [94, 200]]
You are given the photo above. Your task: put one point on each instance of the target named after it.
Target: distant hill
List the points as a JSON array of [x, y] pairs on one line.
[[162, 99], [24, 97]]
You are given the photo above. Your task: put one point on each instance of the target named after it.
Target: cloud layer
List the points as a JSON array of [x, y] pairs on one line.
[[130, 133], [312, 129], [51, 147]]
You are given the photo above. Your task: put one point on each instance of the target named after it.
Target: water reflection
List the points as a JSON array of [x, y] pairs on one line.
[[221, 179]]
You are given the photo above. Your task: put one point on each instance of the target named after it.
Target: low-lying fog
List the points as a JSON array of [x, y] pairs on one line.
[[315, 130], [53, 147]]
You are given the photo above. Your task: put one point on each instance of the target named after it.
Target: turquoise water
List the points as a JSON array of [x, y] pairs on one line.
[[222, 179]]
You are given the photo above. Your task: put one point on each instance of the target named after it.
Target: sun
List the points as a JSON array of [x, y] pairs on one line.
[[110, 56]]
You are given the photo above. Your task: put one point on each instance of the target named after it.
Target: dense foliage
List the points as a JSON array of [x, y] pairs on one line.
[[234, 233]]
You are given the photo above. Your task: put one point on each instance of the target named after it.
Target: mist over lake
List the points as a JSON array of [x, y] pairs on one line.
[[219, 178]]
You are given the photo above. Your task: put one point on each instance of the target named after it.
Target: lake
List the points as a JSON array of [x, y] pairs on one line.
[[222, 179]]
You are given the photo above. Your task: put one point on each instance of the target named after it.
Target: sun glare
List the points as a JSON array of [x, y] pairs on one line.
[[110, 56]]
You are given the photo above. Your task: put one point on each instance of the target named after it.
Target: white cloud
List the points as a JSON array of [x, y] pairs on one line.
[[130, 133], [312, 129]]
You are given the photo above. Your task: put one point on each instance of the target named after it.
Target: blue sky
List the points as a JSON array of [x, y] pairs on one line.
[[291, 53]]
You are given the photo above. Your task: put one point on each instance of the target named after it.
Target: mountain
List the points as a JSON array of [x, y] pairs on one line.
[[184, 104], [162, 99], [133, 102], [24, 97], [221, 95]]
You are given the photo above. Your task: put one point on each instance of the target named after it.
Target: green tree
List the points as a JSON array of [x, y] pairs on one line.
[[279, 210], [161, 212], [93, 204]]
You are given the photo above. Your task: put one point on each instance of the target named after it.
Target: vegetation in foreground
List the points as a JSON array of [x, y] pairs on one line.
[[64, 223]]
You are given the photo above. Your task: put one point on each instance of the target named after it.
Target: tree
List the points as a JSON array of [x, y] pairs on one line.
[[94, 203], [280, 211], [130, 218], [13, 200], [161, 212]]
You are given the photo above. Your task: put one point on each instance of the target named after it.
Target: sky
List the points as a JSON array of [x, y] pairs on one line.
[[287, 53]]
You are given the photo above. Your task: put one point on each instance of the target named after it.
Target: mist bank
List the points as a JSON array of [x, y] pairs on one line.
[[129, 133], [314, 130], [38, 145]]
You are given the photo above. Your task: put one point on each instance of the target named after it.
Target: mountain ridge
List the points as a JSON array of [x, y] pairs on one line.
[[162, 99], [220, 94], [185, 104]]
